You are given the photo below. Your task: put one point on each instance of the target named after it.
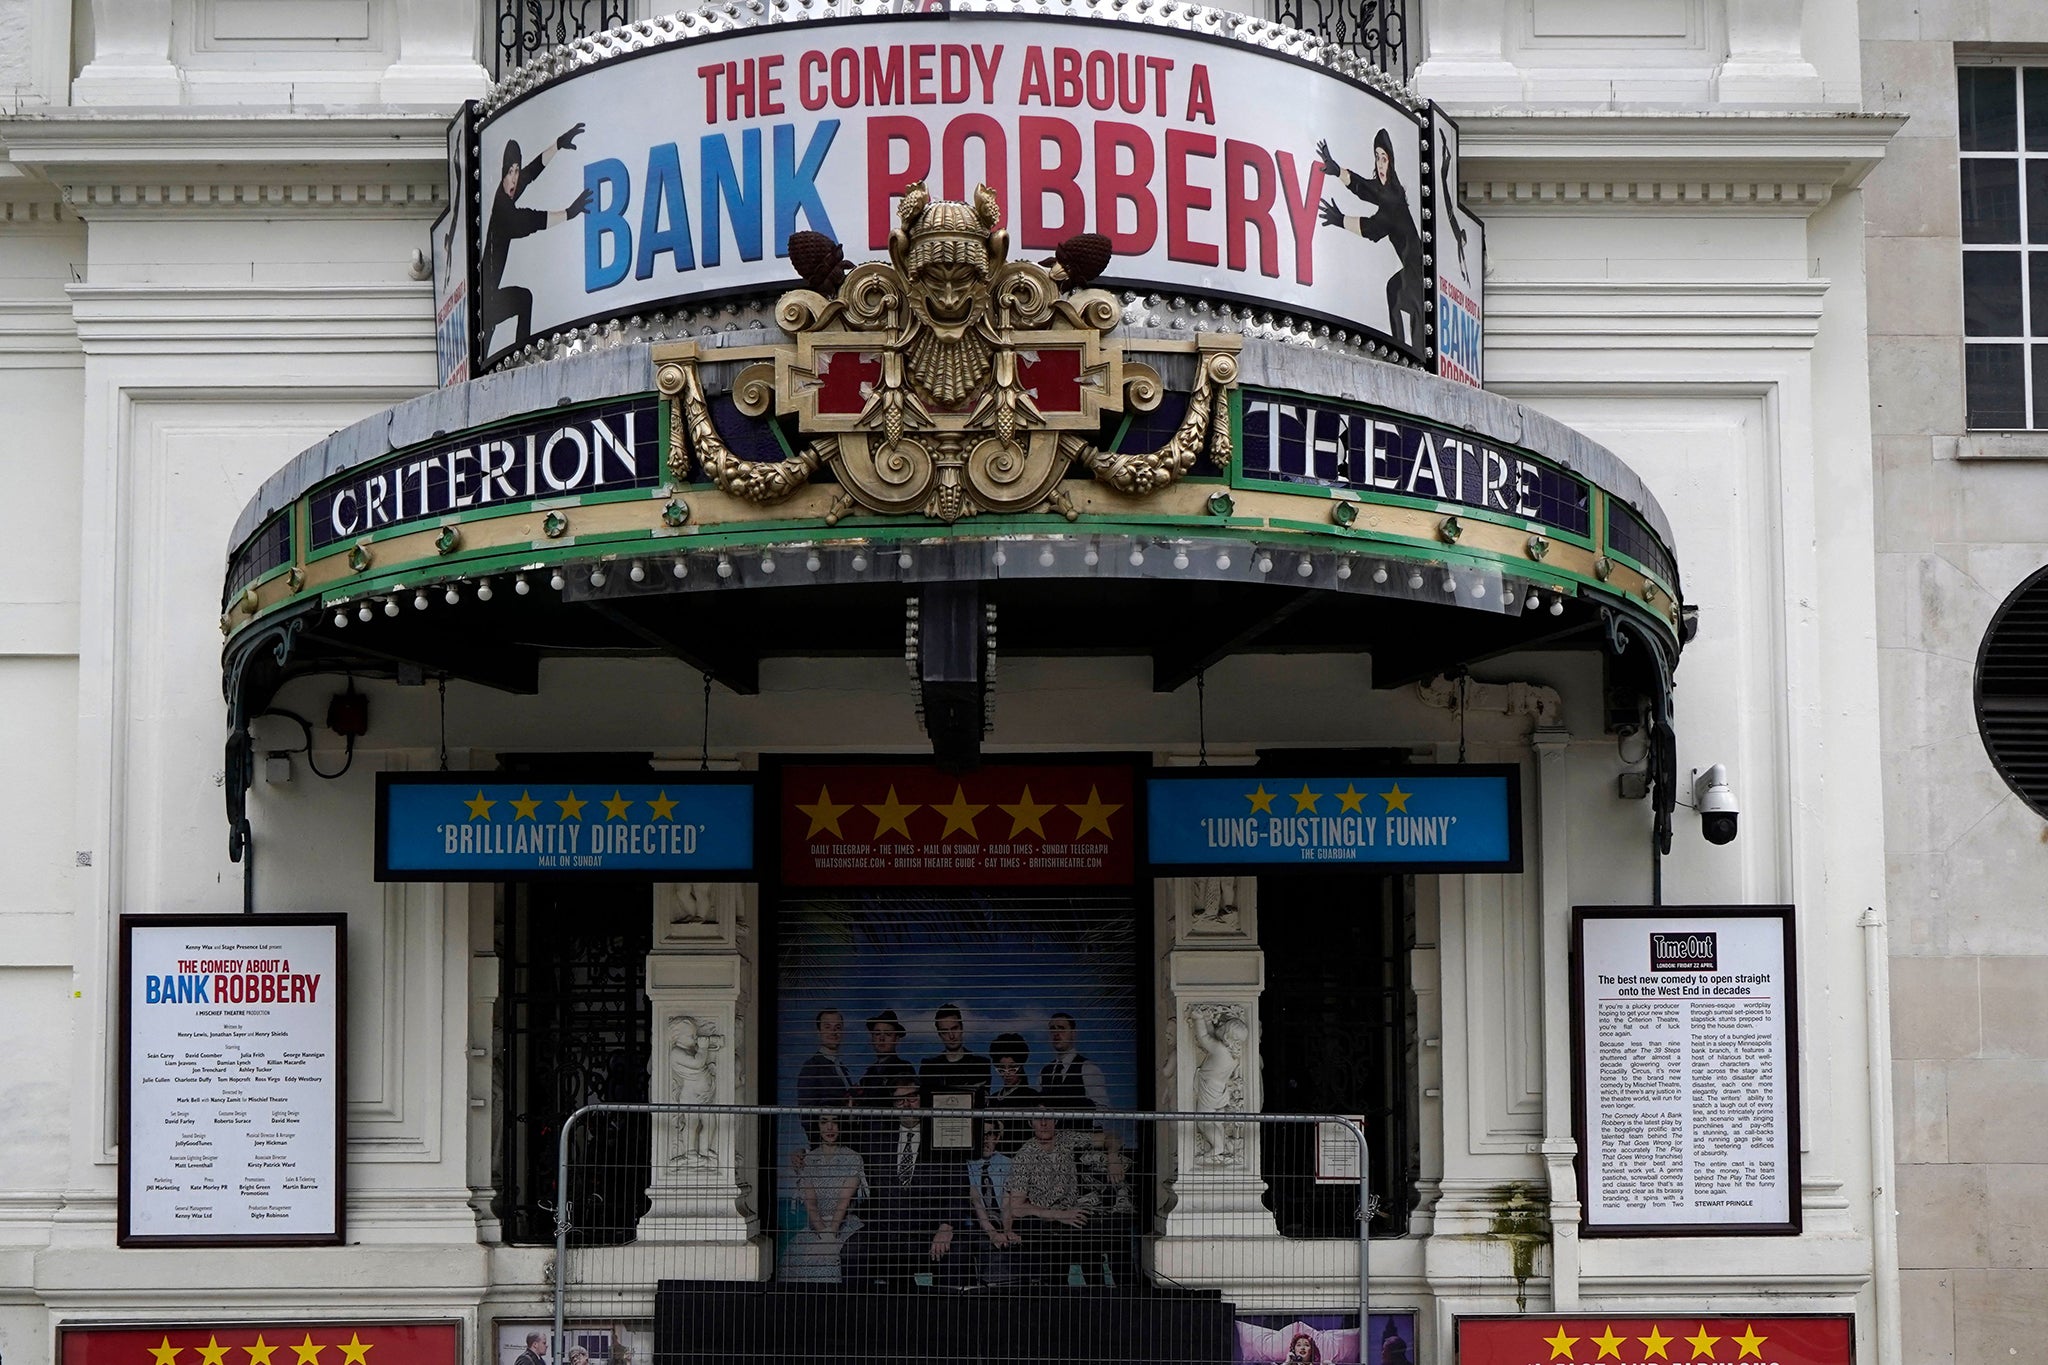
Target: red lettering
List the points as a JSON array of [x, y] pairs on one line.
[[1034, 82], [995, 157], [921, 55], [1249, 208], [952, 59], [986, 69], [770, 84], [739, 89], [885, 180], [1301, 211], [884, 76], [808, 95], [1160, 66], [709, 75], [220, 989], [1130, 83], [846, 77], [1101, 80], [1066, 77], [1115, 187], [1200, 101], [1183, 198], [1035, 180]]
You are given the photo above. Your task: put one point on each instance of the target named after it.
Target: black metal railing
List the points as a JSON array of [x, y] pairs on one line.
[[1386, 33]]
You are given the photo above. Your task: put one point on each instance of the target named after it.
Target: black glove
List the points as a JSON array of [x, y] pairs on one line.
[[567, 141], [580, 205], [1331, 216], [1330, 166]]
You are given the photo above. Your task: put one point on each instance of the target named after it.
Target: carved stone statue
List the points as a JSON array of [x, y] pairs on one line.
[[1221, 1033], [693, 1069], [1212, 906]]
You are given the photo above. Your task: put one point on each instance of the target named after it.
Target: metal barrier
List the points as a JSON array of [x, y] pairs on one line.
[[908, 1230]]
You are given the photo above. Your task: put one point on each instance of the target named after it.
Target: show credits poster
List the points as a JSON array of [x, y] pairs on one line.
[[917, 826], [247, 1343], [1687, 1092], [232, 1079], [1674, 1338], [1460, 265], [629, 186]]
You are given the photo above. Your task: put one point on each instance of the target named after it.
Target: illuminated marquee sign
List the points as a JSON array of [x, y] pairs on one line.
[[631, 185]]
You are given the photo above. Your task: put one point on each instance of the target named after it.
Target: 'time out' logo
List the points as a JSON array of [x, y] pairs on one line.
[[1684, 952]]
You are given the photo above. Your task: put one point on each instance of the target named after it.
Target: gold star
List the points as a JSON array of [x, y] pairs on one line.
[[893, 814], [1028, 814], [1351, 796], [1560, 1345], [166, 1354], [960, 814], [1305, 800], [1750, 1343], [1702, 1345], [1609, 1344], [259, 1354], [662, 807], [307, 1352], [356, 1351], [572, 806], [616, 808], [1654, 1344], [1398, 800], [479, 807], [1094, 813], [1262, 800], [525, 806], [213, 1353], [825, 813]]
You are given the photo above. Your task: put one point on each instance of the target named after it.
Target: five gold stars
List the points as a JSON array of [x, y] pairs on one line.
[[1563, 1346]]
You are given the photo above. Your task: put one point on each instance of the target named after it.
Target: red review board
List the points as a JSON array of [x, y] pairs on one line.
[[269, 1343], [1668, 1339]]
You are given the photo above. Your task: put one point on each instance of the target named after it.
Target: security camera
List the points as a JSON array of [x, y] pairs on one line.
[[1715, 801]]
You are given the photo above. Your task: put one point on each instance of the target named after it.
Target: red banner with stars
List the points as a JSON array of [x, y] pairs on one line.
[[270, 1343], [916, 826], [1669, 1339]]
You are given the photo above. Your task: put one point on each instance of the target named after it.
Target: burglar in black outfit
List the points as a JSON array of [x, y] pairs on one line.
[[1391, 221], [497, 300]]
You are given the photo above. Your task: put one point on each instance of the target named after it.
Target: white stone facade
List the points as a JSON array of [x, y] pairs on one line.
[[209, 211]]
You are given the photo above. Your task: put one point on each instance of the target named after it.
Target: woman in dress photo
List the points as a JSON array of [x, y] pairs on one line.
[[827, 1181]]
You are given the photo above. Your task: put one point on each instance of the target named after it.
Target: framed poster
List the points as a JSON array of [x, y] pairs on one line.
[[1685, 1071], [233, 1079]]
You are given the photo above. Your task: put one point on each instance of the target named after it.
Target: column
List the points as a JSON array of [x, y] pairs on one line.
[[436, 54], [131, 56], [1766, 63], [703, 1180], [1466, 59], [1215, 974], [1560, 1148]]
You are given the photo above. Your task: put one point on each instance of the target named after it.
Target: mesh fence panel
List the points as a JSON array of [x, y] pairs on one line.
[[747, 1233]]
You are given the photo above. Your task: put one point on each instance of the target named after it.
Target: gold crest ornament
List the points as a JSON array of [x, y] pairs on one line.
[[948, 380]]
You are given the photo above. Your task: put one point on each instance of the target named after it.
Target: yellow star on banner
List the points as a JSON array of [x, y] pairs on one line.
[[825, 813], [1397, 800], [616, 808], [1609, 1344], [1351, 796], [259, 1354], [307, 1352], [1654, 1344], [960, 813], [572, 806], [356, 1351], [1749, 1342], [166, 1354], [893, 814], [480, 806], [525, 806], [1702, 1345], [1262, 800], [1305, 800], [1094, 813], [662, 807], [1560, 1345], [1028, 814], [213, 1353]]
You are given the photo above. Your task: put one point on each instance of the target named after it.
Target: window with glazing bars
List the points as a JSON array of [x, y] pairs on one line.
[[2002, 129]]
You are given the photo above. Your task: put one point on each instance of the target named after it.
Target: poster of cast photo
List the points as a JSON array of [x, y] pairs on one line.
[[1325, 1339], [904, 1012]]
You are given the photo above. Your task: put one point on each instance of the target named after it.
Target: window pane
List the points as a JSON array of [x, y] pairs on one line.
[[1986, 109], [2040, 388], [2037, 108], [1991, 293], [2037, 293], [1991, 201], [2037, 197], [1996, 388]]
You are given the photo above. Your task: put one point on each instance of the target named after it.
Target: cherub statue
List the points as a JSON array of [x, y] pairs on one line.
[[692, 1063], [1221, 1033]]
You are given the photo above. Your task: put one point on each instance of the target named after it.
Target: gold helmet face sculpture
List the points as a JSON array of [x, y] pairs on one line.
[[948, 380]]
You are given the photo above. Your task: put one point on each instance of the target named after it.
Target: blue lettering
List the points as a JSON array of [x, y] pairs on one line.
[[152, 990], [724, 193], [665, 200], [796, 182], [605, 230]]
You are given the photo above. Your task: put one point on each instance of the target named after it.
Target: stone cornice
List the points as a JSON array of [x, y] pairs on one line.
[[234, 163], [1758, 161]]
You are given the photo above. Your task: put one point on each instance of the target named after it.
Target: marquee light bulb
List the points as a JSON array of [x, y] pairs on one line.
[[724, 567], [363, 612], [391, 606], [1045, 558], [1450, 583], [451, 597], [1265, 563], [341, 620], [767, 563], [556, 581], [1137, 556], [483, 591], [1000, 558], [1414, 579], [419, 600], [1180, 559], [597, 578], [1343, 570], [638, 573], [904, 560], [521, 586], [1222, 561], [1091, 559], [812, 562], [1306, 568], [1557, 606], [1379, 573], [680, 569], [860, 561], [1479, 589], [1535, 600]]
